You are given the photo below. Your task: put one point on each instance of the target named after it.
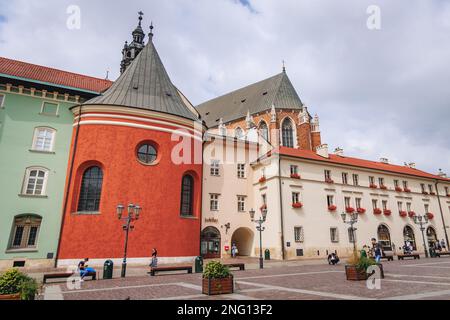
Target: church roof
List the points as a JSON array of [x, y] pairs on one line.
[[276, 91], [145, 84], [40, 74]]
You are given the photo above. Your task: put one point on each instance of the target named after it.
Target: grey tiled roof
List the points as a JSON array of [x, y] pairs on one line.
[[256, 98], [145, 84]]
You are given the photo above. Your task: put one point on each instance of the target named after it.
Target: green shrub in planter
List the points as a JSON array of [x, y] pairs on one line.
[[216, 270], [15, 282]]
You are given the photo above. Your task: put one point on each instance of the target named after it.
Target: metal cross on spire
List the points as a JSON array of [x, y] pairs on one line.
[[150, 35], [284, 66], [140, 13]]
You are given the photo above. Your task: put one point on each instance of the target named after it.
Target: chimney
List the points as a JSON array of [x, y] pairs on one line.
[[322, 151], [384, 160], [339, 152], [442, 174], [412, 165]]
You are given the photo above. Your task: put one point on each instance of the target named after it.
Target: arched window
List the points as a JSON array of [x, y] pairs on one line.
[[408, 236], [187, 196], [238, 133], [384, 237], [91, 190], [431, 237], [25, 232], [287, 133], [264, 131], [35, 181], [43, 139]]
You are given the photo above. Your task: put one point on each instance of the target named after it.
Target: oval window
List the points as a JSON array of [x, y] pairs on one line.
[[147, 154]]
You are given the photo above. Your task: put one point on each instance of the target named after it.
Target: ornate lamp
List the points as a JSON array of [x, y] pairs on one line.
[[120, 209]]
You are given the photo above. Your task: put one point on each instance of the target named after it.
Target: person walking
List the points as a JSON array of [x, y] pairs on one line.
[[376, 250], [234, 250], [443, 245], [154, 262]]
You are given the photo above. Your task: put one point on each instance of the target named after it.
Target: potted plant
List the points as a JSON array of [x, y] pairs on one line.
[[383, 187], [387, 212], [398, 189], [361, 210], [377, 211], [433, 193], [425, 193], [330, 181], [349, 210], [262, 179], [430, 216], [411, 214], [217, 279], [407, 190], [403, 214], [297, 205], [356, 268], [295, 176], [15, 285], [373, 186], [332, 208]]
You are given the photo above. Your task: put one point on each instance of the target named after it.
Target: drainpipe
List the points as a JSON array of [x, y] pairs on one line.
[[442, 212], [281, 208], [69, 182]]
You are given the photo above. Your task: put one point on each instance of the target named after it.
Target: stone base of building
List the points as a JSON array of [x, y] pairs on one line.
[[29, 263], [138, 262]]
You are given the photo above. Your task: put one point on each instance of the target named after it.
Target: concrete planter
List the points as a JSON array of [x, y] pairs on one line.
[[213, 286], [355, 274]]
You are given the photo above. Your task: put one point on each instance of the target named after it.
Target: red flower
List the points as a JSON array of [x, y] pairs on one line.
[[329, 180], [262, 179], [332, 208], [433, 193], [424, 192], [383, 187], [297, 205], [430, 215], [361, 210], [377, 211], [387, 212], [407, 190], [403, 214], [373, 186], [349, 210], [411, 214], [398, 189], [295, 176]]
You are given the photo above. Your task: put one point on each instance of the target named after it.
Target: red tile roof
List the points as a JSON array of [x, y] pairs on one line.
[[355, 162], [54, 76]]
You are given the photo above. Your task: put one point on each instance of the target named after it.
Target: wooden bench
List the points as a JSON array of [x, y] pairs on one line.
[[439, 254], [66, 275], [241, 266], [413, 255], [153, 271], [388, 258]]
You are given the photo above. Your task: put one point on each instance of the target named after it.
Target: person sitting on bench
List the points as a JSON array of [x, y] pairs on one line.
[[85, 270], [333, 259]]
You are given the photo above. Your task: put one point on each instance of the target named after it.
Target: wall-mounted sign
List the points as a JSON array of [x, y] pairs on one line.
[[211, 220], [227, 248]]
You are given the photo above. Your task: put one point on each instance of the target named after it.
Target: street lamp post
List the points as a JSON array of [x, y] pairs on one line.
[[134, 212], [353, 220], [422, 221], [260, 228]]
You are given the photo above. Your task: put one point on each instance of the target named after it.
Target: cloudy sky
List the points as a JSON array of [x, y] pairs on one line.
[[379, 93]]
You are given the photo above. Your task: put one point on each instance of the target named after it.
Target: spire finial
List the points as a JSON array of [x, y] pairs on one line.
[[150, 35], [284, 66], [140, 13]]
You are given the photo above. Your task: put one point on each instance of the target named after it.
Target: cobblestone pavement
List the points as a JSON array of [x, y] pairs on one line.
[[404, 280]]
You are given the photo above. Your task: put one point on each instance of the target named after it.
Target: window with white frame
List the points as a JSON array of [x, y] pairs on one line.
[[2, 100], [400, 206], [371, 180], [25, 232], [422, 186], [43, 139], [214, 202], [446, 191], [238, 133], [375, 204], [358, 203], [405, 184], [294, 170], [241, 203], [427, 207], [35, 181], [298, 234], [330, 200], [396, 183], [355, 180], [49, 108], [430, 188], [351, 235], [334, 235], [327, 175], [215, 168], [347, 202], [408, 206], [384, 204], [344, 178], [295, 197], [241, 170], [381, 181]]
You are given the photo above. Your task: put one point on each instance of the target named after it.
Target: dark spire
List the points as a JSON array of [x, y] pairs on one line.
[[130, 51], [284, 66], [150, 35]]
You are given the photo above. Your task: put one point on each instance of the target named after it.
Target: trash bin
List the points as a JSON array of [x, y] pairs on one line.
[[198, 265], [267, 254], [108, 268]]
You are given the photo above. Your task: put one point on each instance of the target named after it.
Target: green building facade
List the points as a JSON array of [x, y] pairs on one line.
[[35, 135]]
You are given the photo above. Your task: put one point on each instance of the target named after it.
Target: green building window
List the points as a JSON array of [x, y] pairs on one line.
[[43, 139], [2, 100], [91, 190], [49, 109], [25, 232], [35, 182]]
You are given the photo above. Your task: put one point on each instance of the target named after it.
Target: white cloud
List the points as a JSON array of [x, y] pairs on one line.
[[379, 93]]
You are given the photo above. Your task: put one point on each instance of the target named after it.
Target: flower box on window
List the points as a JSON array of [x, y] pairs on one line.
[[262, 179], [411, 214], [407, 190], [382, 187], [403, 214], [331, 181], [430, 216], [433, 193], [349, 210], [387, 212], [398, 189], [425, 193], [295, 176], [373, 186], [377, 211], [448, 196], [332, 208], [297, 205], [361, 210]]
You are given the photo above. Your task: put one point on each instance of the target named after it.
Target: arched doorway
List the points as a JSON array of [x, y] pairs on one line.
[[432, 237], [408, 236], [384, 237], [210, 243], [243, 238]]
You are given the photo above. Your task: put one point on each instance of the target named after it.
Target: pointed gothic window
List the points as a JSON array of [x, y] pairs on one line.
[[91, 190], [287, 132], [187, 196], [264, 131], [238, 133]]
